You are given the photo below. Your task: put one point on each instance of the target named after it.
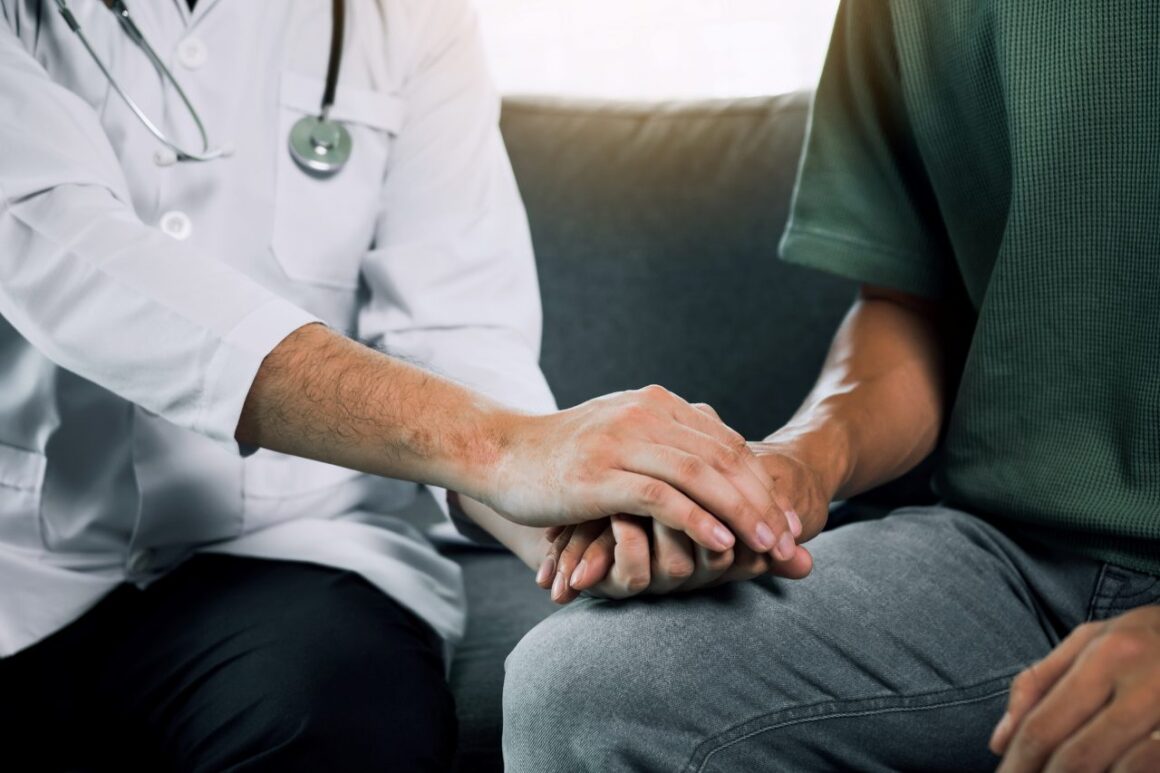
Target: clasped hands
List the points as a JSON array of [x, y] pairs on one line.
[[651, 494], [624, 555]]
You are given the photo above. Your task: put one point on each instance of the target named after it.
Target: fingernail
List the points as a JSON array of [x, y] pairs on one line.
[[764, 536], [785, 547], [1000, 731], [578, 575], [724, 537], [546, 570], [795, 523], [558, 587]]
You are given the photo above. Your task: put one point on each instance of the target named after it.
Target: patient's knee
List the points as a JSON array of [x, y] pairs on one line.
[[559, 681]]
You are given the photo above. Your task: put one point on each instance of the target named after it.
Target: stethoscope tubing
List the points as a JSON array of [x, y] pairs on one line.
[[134, 33], [317, 144]]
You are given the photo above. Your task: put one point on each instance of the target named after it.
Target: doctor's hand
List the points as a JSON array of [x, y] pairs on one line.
[[1092, 704], [625, 556], [646, 453]]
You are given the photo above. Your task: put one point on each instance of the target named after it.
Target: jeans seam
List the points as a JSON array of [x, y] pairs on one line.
[[847, 714], [1095, 594]]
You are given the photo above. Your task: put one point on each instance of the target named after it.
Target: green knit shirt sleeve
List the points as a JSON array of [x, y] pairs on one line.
[[863, 206]]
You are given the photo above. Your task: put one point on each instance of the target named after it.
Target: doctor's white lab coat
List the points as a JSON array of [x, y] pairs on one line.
[[139, 296]]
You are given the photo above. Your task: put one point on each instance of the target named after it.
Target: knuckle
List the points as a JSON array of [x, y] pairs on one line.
[[655, 392], [706, 408], [697, 519], [1121, 646], [690, 468], [678, 568], [652, 493], [635, 582], [759, 564], [633, 413], [739, 444], [718, 562], [572, 551], [727, 460]]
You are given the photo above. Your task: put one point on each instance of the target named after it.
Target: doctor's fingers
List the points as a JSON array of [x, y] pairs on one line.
[[710, 423], [652, 497], [718, 480], [730, 453]]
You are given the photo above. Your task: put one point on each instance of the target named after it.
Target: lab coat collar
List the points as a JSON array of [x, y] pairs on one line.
[[191, 18]]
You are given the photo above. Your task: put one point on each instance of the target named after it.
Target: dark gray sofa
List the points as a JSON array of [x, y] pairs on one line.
[[656, 229]]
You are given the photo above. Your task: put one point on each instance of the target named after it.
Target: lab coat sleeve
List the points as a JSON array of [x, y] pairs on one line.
[[99, 292], [452, 276]]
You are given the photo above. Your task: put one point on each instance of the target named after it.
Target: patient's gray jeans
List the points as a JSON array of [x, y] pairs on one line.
[[895, 654]]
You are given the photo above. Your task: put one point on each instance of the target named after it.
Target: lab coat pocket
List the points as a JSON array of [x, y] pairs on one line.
[[278, 487], [323, 226], [21, 484]]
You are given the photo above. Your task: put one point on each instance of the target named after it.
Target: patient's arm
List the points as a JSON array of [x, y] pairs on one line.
[[874, 413]]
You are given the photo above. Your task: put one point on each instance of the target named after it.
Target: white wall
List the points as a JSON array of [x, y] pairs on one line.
[[656, 48]]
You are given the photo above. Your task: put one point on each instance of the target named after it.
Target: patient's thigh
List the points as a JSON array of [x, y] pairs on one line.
[[894, 654]]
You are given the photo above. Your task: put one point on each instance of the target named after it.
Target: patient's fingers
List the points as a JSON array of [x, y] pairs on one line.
[[630, 573], [711, 565], [746, 566], [796, 568], [581, 537], [597, 560], [673, 559], [547, 571]]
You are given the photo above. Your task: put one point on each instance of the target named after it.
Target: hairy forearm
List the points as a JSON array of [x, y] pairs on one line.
[[877, 408], [322, 396]]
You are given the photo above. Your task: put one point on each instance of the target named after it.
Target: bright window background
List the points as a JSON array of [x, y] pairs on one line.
[[656, 48]]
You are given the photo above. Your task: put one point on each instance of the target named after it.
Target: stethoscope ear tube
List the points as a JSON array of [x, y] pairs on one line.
[[317, 144]]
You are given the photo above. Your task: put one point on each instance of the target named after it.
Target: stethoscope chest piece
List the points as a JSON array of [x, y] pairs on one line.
[[320, 146]]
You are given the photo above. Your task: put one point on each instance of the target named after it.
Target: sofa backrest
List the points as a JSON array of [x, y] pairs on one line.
[[656, 229]]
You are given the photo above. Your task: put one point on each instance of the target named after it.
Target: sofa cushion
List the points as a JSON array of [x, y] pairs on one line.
[[656, 228]]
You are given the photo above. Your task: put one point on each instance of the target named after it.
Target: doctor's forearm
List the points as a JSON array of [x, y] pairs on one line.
[[322, 396]]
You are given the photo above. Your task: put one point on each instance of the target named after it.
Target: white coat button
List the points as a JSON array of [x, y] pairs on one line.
[[177, 225], [164, 157], [140, 561], [192, 53]]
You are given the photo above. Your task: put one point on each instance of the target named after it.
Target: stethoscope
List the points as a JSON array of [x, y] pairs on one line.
[[319, 145]]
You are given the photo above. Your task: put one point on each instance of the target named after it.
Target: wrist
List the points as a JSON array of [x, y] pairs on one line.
[[476, 467], [825, 447]]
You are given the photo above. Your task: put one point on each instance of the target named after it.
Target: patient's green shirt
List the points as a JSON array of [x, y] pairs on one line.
[[1008, 152]]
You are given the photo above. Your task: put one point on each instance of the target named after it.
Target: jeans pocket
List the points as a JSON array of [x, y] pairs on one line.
[[1119, 590]]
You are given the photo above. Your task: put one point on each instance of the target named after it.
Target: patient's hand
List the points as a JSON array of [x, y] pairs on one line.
[[625, 556]]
